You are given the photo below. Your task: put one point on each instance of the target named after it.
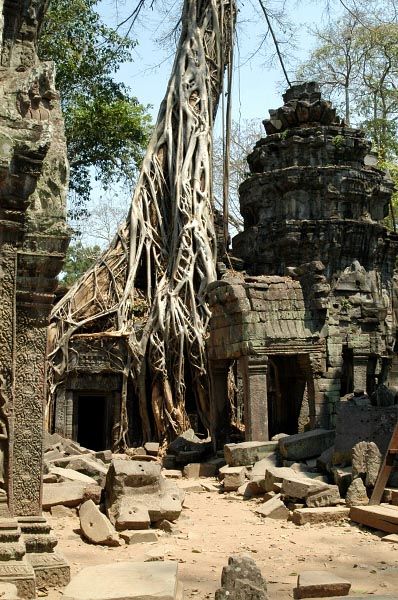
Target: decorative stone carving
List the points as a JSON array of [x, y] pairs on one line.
[[33, 242]]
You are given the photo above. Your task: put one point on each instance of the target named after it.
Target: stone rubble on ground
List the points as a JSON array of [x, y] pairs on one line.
[[241, 580], [320, 584], [96, 527]]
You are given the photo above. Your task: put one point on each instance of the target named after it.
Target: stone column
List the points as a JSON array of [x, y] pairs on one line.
[[254, 372], [219, 402]]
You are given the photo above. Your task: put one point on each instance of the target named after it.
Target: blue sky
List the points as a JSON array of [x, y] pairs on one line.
[[256, 85]]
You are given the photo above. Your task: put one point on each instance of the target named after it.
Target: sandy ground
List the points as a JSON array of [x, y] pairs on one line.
[[213, 526]]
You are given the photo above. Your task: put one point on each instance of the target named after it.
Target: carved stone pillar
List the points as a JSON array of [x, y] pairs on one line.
[[219, 402], [254, 372], [360, 371]]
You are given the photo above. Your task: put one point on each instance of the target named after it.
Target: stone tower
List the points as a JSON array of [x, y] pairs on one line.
[[312, 317]]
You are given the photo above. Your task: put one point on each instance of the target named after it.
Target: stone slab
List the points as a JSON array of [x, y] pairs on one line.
[[328, 514], [72, 475], [320, 584], [68, 494], [197, 470], [273, 509], [392, 538], [247, 453], [309, 444], [125, 581], [139, 537], [95, 525]]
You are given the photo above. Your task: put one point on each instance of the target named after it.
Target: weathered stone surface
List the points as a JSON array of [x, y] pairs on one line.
[[320, 584], [125, 581], [329, 514], [152, 448], [196, 470], [85, 464], [60, 512], [300, 487], [68, 494], [324, 461], [366, 461], [172, 473], [276, 475], [251, 488], [8, 591], [362, 423], [191, 486], [306, 445], [342, 477], [259, 468], [328, 496], [129, 514], [72, 475], [241, 580], [247, 453], [139, 537], [234, 477], [273, 508], [356, 494], [96, 527]]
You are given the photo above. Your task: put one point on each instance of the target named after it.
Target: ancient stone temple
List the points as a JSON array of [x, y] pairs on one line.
[[311, 317], [33, 241]]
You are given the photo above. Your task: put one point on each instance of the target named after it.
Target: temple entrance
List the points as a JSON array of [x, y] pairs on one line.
[[286, 390], [92, 421]]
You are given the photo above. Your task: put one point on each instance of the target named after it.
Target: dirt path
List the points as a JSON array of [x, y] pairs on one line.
[[213, 526]]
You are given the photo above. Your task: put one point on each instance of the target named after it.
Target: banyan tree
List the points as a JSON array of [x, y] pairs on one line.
[[139, 314]]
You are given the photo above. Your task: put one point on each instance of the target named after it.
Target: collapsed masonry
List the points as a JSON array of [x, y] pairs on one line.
[[313, 318], [33, 241]]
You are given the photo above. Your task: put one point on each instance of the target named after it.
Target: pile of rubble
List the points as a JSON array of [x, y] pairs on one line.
[[116, 494], [295, 477]]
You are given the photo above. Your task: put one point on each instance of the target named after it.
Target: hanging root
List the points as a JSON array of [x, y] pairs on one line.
[[150, 285]]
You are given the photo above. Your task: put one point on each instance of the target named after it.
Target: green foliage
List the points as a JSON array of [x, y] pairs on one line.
[[106, 127], [79, 259]]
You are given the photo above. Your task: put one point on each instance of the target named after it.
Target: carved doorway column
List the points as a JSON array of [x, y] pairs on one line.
[[254, 372]]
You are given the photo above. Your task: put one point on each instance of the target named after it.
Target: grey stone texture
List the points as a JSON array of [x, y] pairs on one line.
[[366, 462], [356, 494], [247, 453], [96, 527], [241, 580], [311, 318], [137, 494], [305, 445], [320, 584]]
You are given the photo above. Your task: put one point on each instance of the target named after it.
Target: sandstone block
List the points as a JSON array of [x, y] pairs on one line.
[[273, 509], [130, 514], [259, 468], [342, 477], [67, 494], [96, 527], [309, 444], [247, 453], [251, 488], [234, 477], [324, 461], [356, 494], [328, 514], [320, 584], [152, 448], [72, 475], [366, 461], [139, 537], [125, 581], [300, 487], [85, 464], [196, 470], [275, 475], [172, 473], [60, 512], [242, 580], [328, 496], [190, 486]]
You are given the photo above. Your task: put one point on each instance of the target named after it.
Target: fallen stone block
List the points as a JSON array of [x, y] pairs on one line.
[[51, 478], [210, 487], [197, 470], [328, 496], [72, 475], [88, 465], [129, 514], [251, 488], [309, 444], [273, 509], [259, 468], [96, 527], [297, 486], [247, 453], [152, 448], [328, 514], [52, 455], [342, 478], [68, 494], [190, 486], [104, 455], [275, 475], [320, 584], [356, 494], [241, 580], [125, 581], [324, 461], [139, 537], [234, 477]]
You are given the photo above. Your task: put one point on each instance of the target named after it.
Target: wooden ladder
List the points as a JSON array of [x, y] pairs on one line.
[[386, 468]]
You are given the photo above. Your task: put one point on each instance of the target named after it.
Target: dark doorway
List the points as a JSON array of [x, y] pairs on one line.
[[92, 421], [347, 371], [286, 384]]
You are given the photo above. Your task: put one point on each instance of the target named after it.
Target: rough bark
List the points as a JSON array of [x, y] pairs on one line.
[[150, 285]]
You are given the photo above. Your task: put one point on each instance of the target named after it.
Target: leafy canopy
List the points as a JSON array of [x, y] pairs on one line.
[[78, 260], [106, 127]]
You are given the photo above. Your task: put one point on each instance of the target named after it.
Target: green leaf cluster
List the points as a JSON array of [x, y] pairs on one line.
[[107, 129], [79, 259]]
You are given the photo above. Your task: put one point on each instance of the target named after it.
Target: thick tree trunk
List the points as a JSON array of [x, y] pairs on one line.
[[150, 285]]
